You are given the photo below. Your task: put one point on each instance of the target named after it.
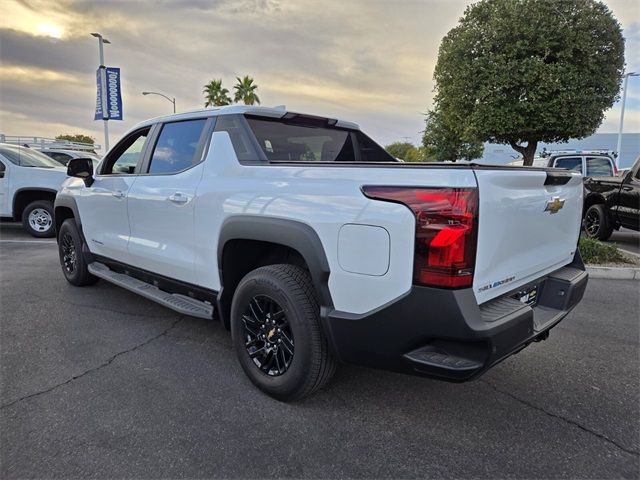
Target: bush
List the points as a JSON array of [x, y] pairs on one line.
[[594, 251]]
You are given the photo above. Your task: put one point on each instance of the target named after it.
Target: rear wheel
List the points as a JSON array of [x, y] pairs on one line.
[[596, 223], [275, 326], [74, 266], [37, 219]]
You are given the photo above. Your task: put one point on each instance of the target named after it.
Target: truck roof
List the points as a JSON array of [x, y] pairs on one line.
[[272, 112]]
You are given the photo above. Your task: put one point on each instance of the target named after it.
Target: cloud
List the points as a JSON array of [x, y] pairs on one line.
[[367, 61]]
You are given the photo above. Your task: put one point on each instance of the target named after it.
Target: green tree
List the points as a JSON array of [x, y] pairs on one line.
[[519, 72], [215, 95], [442, 142], [77, 137], [245, 91], [405, 151]]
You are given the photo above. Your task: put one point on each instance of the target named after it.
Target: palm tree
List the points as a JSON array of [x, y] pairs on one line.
[[246, 91], [215, 95]]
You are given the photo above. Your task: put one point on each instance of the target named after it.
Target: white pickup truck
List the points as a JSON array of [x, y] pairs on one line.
[[29, 181], [314, 246]]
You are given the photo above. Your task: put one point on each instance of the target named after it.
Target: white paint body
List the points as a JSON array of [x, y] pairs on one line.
[[369, 244], [18, 178]]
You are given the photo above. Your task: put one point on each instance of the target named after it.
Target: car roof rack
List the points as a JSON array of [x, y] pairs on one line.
[[588, 151], [42, 143]]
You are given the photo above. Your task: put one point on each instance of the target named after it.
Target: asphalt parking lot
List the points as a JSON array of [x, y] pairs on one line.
[[99, 383], [627, 240]]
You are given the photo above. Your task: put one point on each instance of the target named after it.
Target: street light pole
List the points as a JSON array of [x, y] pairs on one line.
[[624, 100], [172, 100], [103, 84]]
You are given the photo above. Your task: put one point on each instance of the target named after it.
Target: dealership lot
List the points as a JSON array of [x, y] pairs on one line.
[[97, 382]]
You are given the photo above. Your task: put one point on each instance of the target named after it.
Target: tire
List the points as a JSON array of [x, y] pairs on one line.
[[291, 355], [38, 219], [596, 223], [74, 266]]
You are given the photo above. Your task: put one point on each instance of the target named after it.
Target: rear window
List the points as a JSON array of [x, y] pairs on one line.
[[569, 163], [599, 167], [301, 141]]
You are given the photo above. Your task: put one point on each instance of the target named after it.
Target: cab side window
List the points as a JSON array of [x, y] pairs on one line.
[[127, 154], [599, 167], [2, 169], [63, 158], [176, 147]]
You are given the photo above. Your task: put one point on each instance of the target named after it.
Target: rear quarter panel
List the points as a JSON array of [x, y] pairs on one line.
[[326, 198]]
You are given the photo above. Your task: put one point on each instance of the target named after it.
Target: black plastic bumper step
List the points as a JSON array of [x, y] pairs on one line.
[[436, 358]]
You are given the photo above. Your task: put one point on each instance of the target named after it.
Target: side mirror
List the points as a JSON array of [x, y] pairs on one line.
[[81, 168]]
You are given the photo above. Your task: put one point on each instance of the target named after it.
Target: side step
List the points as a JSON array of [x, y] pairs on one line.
[[179, 303]]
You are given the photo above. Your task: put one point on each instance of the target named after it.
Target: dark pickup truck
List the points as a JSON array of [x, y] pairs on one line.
[[611, 203]]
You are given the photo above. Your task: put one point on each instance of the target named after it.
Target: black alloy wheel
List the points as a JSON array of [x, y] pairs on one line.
[[592, 223], [69, 260], [268, 336], [276, 332]]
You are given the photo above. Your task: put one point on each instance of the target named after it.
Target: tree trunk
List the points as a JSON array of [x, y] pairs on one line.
[[527, 151]]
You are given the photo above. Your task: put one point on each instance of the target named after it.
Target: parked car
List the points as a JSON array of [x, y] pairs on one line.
[[587, 162], [63, 156], [314, 246], [29, 181], [611, 203]]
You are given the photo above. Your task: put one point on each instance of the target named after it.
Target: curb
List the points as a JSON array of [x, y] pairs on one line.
[[633, 254], [614, 273]]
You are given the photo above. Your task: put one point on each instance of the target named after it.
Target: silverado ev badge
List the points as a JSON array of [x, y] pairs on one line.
[[554, 205], [496, 284]]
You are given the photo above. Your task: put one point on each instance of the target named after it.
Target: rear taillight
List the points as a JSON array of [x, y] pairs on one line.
[[446, 232]]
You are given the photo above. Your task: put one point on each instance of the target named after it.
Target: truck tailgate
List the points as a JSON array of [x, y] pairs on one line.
[[529, 223]]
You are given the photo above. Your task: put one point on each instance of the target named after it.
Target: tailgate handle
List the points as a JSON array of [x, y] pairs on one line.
[[557, 178]]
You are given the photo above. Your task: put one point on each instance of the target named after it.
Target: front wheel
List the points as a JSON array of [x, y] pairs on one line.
[[37, 219], [275, 327], [74, 266], [596, 223]]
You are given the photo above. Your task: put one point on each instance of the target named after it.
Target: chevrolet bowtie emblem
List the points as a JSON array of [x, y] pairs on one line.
[[554, 205], [270, 334]]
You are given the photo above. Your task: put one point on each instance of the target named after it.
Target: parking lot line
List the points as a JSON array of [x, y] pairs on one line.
[[27, 241]]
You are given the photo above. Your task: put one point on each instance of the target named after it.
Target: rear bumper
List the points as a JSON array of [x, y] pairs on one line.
[[445, 334]]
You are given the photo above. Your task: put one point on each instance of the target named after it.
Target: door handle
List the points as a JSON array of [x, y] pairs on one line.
[[119, 194], [179, 198]]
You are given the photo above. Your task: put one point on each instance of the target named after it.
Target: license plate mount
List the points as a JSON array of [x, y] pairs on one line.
[[527, 295]]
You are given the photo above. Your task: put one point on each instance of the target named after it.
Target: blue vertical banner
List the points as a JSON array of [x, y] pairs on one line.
[[109, 94], [114, 94], [99, 107]]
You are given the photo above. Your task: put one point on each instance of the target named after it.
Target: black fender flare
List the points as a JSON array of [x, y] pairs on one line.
[[592, 198], [291, 233], [29, 189], [67, 201]]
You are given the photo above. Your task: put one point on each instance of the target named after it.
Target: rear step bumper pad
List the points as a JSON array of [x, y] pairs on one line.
[[180, 303], [445, 334]]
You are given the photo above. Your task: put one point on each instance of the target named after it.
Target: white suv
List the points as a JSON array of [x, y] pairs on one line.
[[315, 246], [29, 181]]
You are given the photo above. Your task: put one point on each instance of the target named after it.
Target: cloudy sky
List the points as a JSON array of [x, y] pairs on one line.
[[370, 61]]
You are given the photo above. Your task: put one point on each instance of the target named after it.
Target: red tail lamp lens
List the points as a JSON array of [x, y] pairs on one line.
[[446, 232]]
